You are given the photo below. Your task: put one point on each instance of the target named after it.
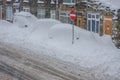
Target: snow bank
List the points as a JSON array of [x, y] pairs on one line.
[[88, 50], [5, 23]]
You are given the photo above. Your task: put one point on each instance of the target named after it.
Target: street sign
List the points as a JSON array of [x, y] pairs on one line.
[[72, 15]]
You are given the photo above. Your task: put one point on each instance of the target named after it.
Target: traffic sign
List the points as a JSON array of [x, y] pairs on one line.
[[72, 15]]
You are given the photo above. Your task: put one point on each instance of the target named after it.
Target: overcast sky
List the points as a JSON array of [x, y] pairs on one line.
[[112, 3]]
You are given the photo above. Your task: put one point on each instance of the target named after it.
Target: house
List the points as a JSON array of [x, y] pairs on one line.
[[40, 8], [91, 15]]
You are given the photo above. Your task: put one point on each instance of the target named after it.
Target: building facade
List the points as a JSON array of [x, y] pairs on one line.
[[89, 15], [94, 18]]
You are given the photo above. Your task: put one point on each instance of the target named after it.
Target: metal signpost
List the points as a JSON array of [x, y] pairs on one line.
[[72, 17]]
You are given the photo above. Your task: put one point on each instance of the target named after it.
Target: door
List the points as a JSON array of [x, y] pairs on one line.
[[108, 27], [79, 22], [9, 13]]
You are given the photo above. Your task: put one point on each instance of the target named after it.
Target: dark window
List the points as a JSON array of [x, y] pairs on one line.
[[79, 14], [93, 25], [89, 15], [89, 24], [97, 26], [97, 16], [93, 16]]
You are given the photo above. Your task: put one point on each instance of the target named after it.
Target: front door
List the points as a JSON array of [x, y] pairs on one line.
[[108, 27], [79, 22]]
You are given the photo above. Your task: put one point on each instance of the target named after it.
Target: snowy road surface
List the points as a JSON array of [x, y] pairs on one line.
[[21, 65]]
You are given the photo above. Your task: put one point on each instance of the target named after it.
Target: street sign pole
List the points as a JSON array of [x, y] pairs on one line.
[[72, 32], [72, 17]]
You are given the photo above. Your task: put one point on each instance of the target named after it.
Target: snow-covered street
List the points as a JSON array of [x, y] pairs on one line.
[[53, 39]]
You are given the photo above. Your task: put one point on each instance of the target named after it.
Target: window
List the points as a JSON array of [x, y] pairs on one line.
[[89, 24], [97, 16], [64, 17], [25, 0], [93, 25], [16, 0], [73, 1], [93, 22], [9, 0], [69, 1], [40, 1], [26, 9], [41, 13], [97, 26], [52, 12], [89, 15], [93, 16], [79, 14]]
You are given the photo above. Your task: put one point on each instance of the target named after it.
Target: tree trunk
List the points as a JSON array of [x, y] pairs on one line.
[[47, 8], [57, 5]]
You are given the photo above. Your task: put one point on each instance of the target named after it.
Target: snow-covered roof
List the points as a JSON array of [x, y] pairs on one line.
[[114, 4]]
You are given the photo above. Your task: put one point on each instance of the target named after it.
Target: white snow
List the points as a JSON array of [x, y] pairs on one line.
[[50, 37], [114, 4]]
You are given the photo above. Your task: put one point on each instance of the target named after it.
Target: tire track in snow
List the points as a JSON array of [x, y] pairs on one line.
[[34, 64]]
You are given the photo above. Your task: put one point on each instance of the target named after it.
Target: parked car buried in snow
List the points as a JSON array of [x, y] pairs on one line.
[[24, 19]]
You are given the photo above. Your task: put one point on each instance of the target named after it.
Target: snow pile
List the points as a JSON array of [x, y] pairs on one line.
[[5, 23]]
